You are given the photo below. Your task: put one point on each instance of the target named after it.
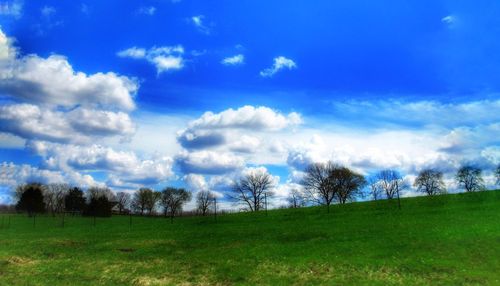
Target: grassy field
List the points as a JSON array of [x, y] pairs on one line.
[[446, 240]]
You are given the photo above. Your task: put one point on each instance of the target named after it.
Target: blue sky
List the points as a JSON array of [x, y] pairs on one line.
[[117, 92]]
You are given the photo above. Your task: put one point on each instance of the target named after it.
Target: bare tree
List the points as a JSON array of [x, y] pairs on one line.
[[152, 200], [204, 201], [123, 201], [97, 192], [347, 183], [251, 189], [470, 178], [54, 197], [173, 199], [140, 200], [296, 199], [318, 184], [430, 181], [391, 183], [375, 188]]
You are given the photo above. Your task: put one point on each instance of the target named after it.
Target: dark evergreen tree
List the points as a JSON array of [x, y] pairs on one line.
[[74, 200], [31, 198]]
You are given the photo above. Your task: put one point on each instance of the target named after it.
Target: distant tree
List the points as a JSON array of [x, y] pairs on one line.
[[347, 183], [391, 183], [375, 190], [204, 201], [296, 199], [54, 197], [100, 202], [96, 192], [318, 183], [470, 178], [140, 200], [31, 198], [251, 189], [173, 199], [497, 174], [74, 201], [122, 201], [430, 182]]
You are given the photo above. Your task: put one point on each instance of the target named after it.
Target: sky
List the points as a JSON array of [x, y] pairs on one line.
[[195, 94]]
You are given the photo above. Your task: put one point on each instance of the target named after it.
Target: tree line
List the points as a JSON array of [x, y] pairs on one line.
[[322, 184]]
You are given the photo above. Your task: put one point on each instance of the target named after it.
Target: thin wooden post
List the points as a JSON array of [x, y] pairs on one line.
[[265, 202], [215, 209]]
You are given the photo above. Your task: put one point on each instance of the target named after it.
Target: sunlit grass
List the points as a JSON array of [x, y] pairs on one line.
[[445, 240]]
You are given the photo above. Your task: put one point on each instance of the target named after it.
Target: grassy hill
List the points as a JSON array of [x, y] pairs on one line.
[[445, 240]]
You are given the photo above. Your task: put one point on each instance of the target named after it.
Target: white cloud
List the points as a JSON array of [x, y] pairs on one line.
[[52, 81], [122, 166], [280, 63], [245, 144], [208, 162], [149, 10], [234, 60], [11, 175], [165, 58], [246, 117], [78, 125], [224, 128], [11, 8], [199, 22]]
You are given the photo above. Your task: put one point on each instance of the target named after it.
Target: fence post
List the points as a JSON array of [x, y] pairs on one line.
[[265, 202], [215, 209]]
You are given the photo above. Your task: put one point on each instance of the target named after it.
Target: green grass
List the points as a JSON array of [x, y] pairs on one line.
[[445, 240]]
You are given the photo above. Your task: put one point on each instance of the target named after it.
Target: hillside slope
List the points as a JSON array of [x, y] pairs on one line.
[[445, 240]]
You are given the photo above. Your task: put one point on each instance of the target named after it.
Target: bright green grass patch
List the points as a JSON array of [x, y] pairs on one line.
[[445, 240]]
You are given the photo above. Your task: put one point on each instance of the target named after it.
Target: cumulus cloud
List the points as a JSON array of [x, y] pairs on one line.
[[52, 81], [122, 166], [208, 162], [165, 58], [234, 60], [279, 64], [247, 117], [79, 125], [217, 129], [11, 175]]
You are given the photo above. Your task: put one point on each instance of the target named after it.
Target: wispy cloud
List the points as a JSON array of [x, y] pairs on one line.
[[280, 63], [147, 10], [199, 22], [48, 11], [234, 60], [11, 8]]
